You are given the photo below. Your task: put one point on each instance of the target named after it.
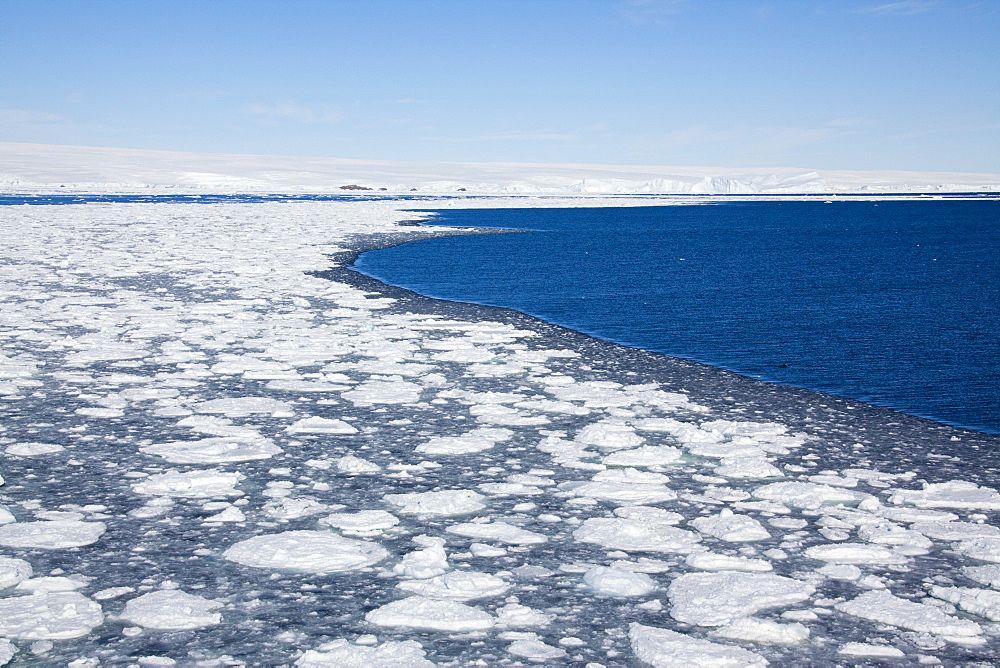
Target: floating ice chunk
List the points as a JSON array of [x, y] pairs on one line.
[[496, 414], [418, 612], [357, 465], [855, 553], [748, 468], [363, 523], [446, 502], [867, 649], [206, 484], [51, 535], [292, 508], [881, 606], [987, 575], [6, 517], [986, 548], [171, 610], [752, 629], [13, 571], [647, 455], [550, 406], [515, 615], [7, 652], [715, 599], [342, 654], [719, 450], [300, 386], [631, 475], [911, 515], [709, 561], [476, 440], [886, 533], [426, 563], [306, 551], [230, 514], [470, 355], [501, 532], [649, 514], [55, 616], [807, 495], [633, 535], [663, 648], [980, 602], [732, 528], [953, 494], [458, 586], [320, 425], [609, 435], [536, 650], [238, 406], [100, 412], [46, 585], [620, 492], [384, 392], [753, 429], [954, 530], [846, 572], [33, 449], [215, 450], [618, 582], [509, 489]]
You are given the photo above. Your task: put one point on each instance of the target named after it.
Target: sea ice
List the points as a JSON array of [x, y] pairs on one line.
[[637, 536], [418, 612], [867, 649], [362, 523], [663, 648], [446, 502], [207, 484], [13, 571], [752, 629], [855, 553], [306, 551], [55, 616], [33, 449], [980, 602], [715, 599], [808, 495], [953, 494], [476, 440], [731, 528], [709, 561], [51, 535], [239, 406], [343, 654], [882, 607], [618, 582], [171, 610], [501, 532], [217, 450], [321, 425], [457, 585]]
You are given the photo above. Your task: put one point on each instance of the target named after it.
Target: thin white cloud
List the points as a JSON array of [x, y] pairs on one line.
[[11, 116], [292, 111], [904, 7], [511, 136]]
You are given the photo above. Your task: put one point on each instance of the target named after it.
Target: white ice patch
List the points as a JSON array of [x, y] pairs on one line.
[[476, 440], [362, 523], [343, 654], [356, 465], [457, 586], [647, 455], [517, 616], [882, 607], [637, 535], [709, 561], [867, 649], [306, 551], [987, 575], [33, 449], [609, 435], [384, 392], [501, 532], [55, 616], [953, 494], [172, 610], [443, 503], [321, 425], [426, 563], [752, 629], [418, 612], [731, 528], [619, 492], [13, 571], [239, 406], [855, 553], [51, 535], [663, 648], [980, 602], [955, 530], [215, 450], [208, 484], [808, 495], [715, 599], [618, 582]]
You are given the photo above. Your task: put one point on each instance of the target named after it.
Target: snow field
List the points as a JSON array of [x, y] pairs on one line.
[[212, 456]]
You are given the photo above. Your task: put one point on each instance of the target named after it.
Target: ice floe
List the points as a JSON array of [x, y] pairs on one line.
[[306, 551], [54, 616], [664, 648], [51, 535], [171, 610], [418, 612], [715, 599]]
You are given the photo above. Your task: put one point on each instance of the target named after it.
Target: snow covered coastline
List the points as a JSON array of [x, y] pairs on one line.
[[221, 445]]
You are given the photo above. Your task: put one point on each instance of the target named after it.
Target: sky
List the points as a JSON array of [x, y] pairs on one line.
[[822, 84]]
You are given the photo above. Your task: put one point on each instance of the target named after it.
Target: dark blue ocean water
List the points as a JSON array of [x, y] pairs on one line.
[[895, 303]]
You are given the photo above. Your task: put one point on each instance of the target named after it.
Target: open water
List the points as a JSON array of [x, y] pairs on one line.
[[895, 303]]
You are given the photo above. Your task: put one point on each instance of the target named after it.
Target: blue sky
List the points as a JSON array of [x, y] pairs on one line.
[[838, 84]]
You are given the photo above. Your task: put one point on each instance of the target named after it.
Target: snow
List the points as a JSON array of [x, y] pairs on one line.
[[363, 523], [306, 551], [51, 535], [716, 599], [500, 532], [751, 629], [458, 586], [618, 582], [664, 648], [33, 449], [444, 503], [731, 528], [171, 610], [320, 425], [418, 612], [217, 450], [55, 616], [342, 654], [885, 608], [207, 484], [952, 494], [13, 571], [855, 553]]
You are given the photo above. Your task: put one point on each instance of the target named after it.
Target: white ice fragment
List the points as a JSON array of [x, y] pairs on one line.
[[501, 532], [752, 629], [418, 612], [986, 548], [362, 523], [443, 503], [748, 468], [52, 583], [881, 606], [663, 648], [632, 476], [910, 515], [343, 654], [55, 616], [618, 582], [536, 650], [609, 435], [230, 514], [807, 495], [216, 450], [13, 571], [320, 425], [855, 553], [171, 610], [51, 535], [619, 492], [356, 465], [847, 572], [955, 530], [207, 484], [7, 651], [517, 616], [238, 406], [953, 494], [715, 599], [426, 563], [886, 533], [384, 392], [980, 602], [867, 649], [306, 551], [30, 449], [647, 455], [633, 535], [292, 507], [731, 528], [710, 561], [476, 440], [457, 586], [988, 575]]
